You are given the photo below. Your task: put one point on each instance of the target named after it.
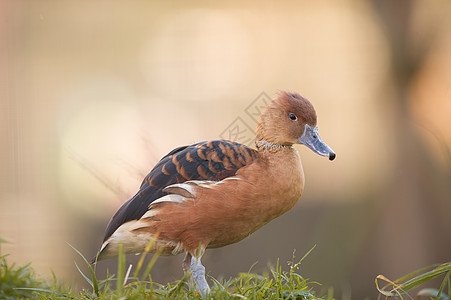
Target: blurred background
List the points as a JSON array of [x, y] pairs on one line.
[[93, 93]]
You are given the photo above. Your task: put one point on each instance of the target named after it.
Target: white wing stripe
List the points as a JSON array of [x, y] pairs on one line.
[[169, 198]]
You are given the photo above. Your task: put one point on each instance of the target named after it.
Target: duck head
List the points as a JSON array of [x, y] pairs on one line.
[[291, 119]]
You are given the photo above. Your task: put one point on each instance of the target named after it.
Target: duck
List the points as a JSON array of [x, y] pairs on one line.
[[215, 193]]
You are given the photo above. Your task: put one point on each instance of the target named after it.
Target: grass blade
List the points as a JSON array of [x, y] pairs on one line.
[[143, 256], [41, 290], [83, 274], [128, 273], [120, 271], [422, 278], [442, 286], [398, 288], [94, 283], [151, 263]]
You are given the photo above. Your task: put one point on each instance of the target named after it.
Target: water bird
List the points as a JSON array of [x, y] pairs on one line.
[[215, 193]]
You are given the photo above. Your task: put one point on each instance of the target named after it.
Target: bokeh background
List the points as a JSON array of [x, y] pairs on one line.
[[93, 93]]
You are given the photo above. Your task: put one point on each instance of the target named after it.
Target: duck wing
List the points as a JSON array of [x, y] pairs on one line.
[[209, 161]]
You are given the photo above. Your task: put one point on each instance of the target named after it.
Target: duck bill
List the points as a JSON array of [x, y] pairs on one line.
[[312, 140]]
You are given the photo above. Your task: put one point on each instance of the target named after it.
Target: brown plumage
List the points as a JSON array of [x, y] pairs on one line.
[[216, 193]]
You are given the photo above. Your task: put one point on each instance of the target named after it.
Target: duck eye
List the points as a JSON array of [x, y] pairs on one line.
[[292, 117]]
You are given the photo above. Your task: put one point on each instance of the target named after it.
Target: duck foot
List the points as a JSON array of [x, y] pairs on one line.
[[198, 275]]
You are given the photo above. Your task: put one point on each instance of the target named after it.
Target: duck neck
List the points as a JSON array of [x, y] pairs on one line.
[[263, 144]]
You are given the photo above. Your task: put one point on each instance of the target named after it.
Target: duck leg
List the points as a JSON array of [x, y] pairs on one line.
[[198, 274], [187, 262], [187, 268]]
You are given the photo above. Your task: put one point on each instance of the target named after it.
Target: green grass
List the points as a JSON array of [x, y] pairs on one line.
[[22, 282], [13, 276], [401, 286], [19, 282]]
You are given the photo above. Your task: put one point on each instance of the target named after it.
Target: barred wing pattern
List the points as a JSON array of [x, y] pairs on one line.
[[210, 160]]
